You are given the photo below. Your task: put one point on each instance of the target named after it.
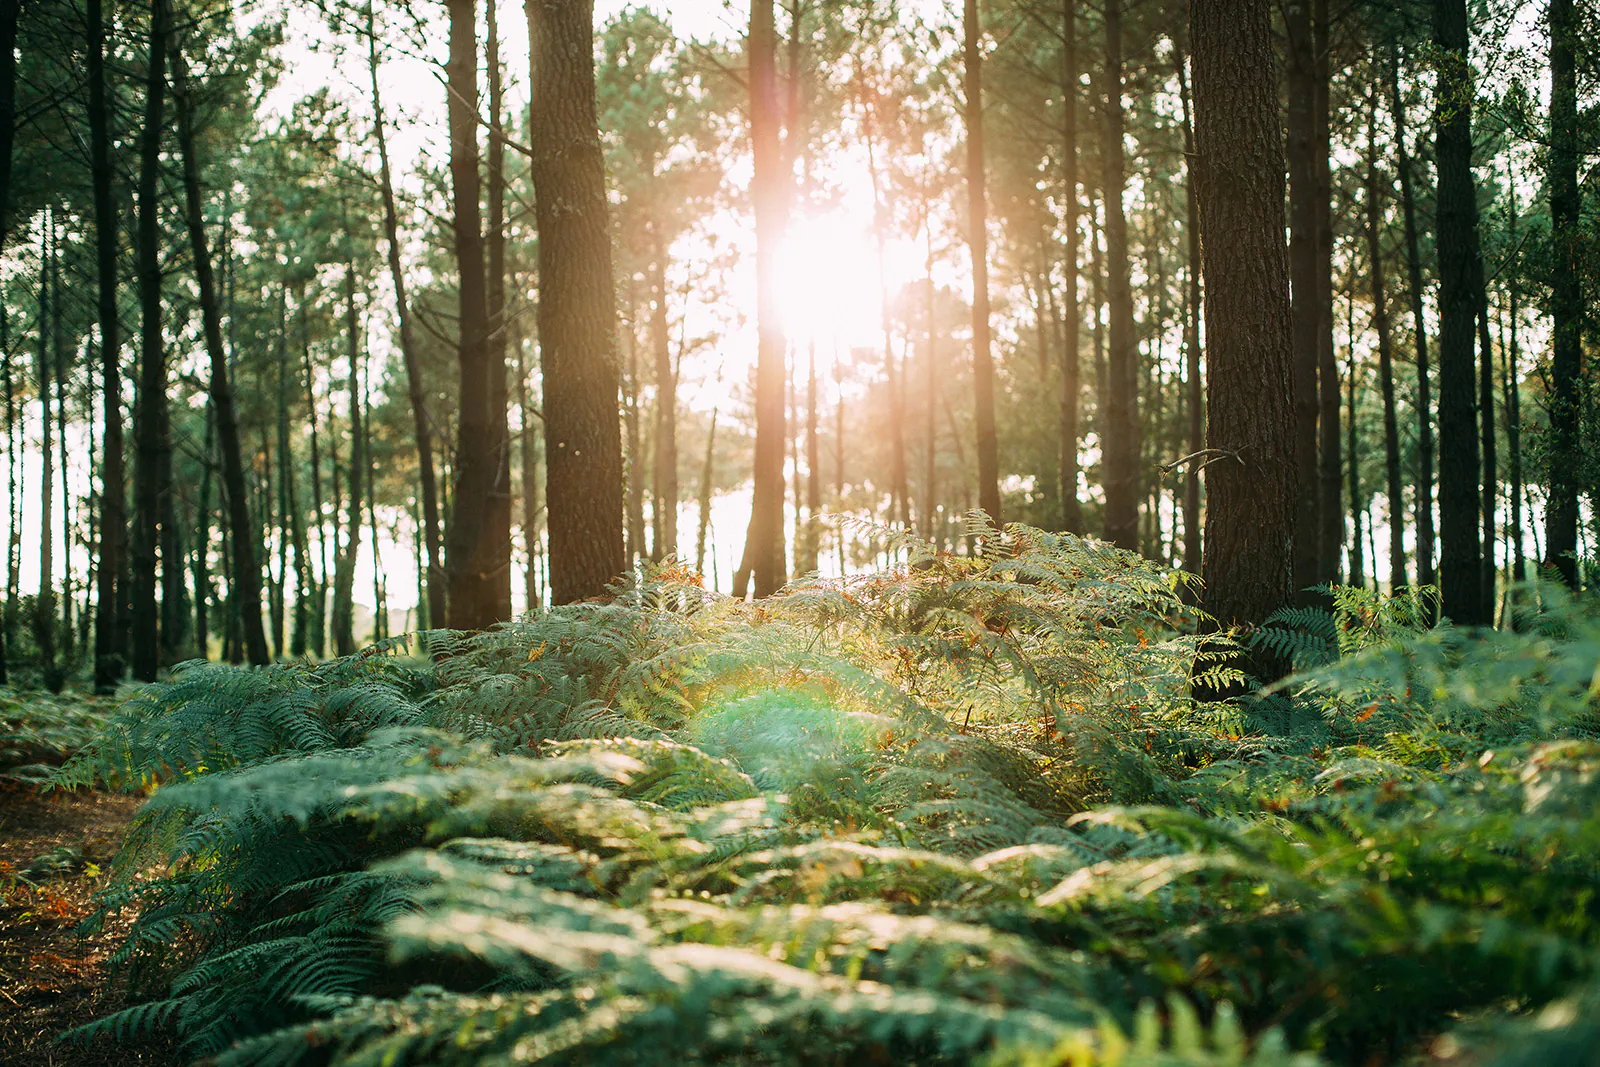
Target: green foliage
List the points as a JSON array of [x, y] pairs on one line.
[[962, 810], [39, 731]]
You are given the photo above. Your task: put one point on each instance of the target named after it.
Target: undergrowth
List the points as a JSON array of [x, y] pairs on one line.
[[962, 810]]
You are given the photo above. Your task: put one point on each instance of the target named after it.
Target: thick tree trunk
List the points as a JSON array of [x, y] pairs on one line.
[[1414, 285], [1380, 323], [764, 556], [246, 591], [1567, 298], [1460, 571], [470, 601], [109, 637], [1071, 315], [1120, 430], [427, 485], [978, 243], [577, 314], [1240, 191]]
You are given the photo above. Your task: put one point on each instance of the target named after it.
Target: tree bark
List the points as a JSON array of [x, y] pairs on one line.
[[978, 243], [1195, 390], [666, 428], [1330, 537], [9, 13], [1120, 424], [149, 421], [1380, 323], [427, 484], [1071, 314], [494, 544], [344, 568], [1419, 326], [1566, 304], [469, 600], [44, 614], [1460, 570], [246, 571], [1489, 496], [1301, 150], [109, 637], [764, 556], [577, 313], [1239, 174]]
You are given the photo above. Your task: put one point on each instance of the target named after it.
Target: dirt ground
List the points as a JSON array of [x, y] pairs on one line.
[[55, 852]]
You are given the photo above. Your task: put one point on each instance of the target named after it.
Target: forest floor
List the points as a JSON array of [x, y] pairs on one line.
[[55, 853]]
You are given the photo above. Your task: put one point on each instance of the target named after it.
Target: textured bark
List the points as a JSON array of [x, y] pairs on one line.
[[416, 388], [1120, 430], [1566, 304], [577, 317], [978, 244], [1460, 570], [1071, 333], [9, 13], [494, 543], [149, 420], [1301, 151], [1330, 537], [1240, 189], [1512, 398], [764, 550], [246, 577], [1380, 324], [470, 604], [110, 639], [1195, 389], [1419, 327]]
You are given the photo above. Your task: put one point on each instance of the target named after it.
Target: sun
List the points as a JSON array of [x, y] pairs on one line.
[[829, 284]]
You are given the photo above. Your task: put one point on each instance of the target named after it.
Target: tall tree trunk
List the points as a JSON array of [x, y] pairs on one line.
[[149, 420], [764, 551], [1567, 298], [1301, 152], [470, 602], [1511, 385], [60, 345], [1490, 495], [416, 387], [8, 620], [202, 542], [44, 612], [930, 435], [633, 456], [9, 13], [1358, 563], [707, 473], [666, 429], [1240, 190], [246, 583], [1419, 327], [530, 478], [318, 592], [978, 243], [1460, 570], [494, 543], [1071, 314], [1330, 536], [109, 637], [344, 568], [1120, 430], [1194, 389], [577, 315], [1380, 323], [813, 528]]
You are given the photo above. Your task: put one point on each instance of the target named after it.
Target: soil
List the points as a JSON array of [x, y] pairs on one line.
[[55, 853]]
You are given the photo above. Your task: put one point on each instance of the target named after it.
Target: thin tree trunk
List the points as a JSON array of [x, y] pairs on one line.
[[1380, 322], [417, 389], [494, 544], [577, 314], [1331, 532], [1120, 430], [1419, 326], [1301, 150], [1071, 314], [1461, 576], [1240, 192], [707, 472], [1512, 386], [1358, 563], [9, 13], [110, 646], [246, 571], [1490, 494], [764, 556], [813, 528], [44, 614], [8, 623], [530, 478], [666, 429], [1567, 298], [202, 542], [633, 459], [344, 568], [1194, 395], [978, 243], [930, 477]]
